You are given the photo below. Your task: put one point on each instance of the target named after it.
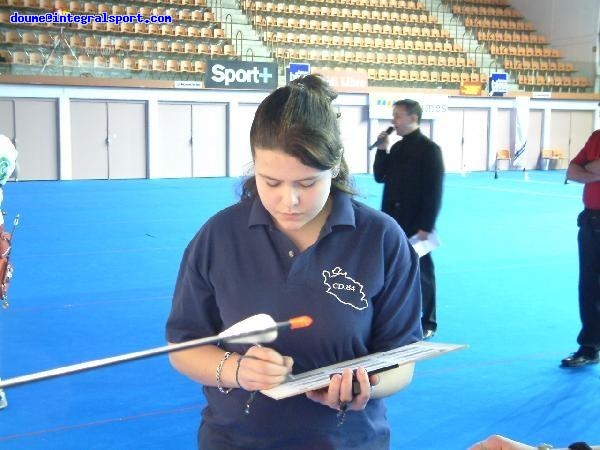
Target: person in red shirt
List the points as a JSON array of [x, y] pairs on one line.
[[585, 168]]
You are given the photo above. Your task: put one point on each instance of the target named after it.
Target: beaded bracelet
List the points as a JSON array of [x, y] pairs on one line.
[[218, 374]]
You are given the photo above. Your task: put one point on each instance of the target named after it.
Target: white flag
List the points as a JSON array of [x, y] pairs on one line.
[[8, 159], [521, 131]]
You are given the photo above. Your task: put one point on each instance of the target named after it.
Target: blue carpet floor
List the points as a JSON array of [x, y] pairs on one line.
[[95, 263]]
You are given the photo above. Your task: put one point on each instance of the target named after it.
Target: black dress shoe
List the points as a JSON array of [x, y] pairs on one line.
[[428, 333], [580, 358]]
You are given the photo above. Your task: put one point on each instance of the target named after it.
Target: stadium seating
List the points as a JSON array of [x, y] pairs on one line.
[[402, 41]]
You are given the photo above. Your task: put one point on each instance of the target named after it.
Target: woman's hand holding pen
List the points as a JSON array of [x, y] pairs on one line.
[[262, 368], [339, 394]]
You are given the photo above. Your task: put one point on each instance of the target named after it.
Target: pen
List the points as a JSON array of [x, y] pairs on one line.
[[289, 377], [356, 384]]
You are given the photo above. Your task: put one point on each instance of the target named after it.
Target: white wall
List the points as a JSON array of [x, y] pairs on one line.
[[481, 141]]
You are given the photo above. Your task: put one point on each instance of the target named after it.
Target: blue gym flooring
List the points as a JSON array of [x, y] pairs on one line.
[[95, 264]]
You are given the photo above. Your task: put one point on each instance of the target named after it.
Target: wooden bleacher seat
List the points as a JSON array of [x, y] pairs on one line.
[[75, 6], [52, 61], [176, 47], [189, 47], [84, 61], [360, 57], [4, 17], [29, 38], [121, 44], [584, 83], [90, 7], [166, 29], [129, 63], [12, 37], [91, 42], [106, 43], [200, 66], [193, 31], [163, 46], [149, 46], [140, 28], [203, 48], [391, 58], [383, 74], [159, 65], [172, 65], [19, 58], [36, 59], [99, 26], [115, 62], [229, 50], [143, 64], [100, 62], [186, 66], [113, 27]]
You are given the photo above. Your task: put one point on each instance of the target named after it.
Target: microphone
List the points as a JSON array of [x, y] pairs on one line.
[[378, 141]]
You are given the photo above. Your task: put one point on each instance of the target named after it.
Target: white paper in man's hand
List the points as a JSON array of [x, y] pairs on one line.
[[422, 247]]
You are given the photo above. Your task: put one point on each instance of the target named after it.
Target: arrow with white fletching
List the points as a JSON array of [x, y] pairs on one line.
[[256, 329]]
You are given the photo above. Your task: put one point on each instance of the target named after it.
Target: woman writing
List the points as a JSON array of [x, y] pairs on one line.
[[296, 244]]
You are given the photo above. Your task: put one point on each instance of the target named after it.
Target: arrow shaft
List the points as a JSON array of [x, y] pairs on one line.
[[80, 367]]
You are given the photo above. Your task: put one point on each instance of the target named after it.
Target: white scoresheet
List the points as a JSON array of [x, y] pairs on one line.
[[426, 246], [319, 378]]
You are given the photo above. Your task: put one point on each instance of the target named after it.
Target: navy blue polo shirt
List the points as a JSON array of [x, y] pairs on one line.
[[360, 284]]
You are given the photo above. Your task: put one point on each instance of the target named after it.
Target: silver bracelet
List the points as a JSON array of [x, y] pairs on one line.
[[218, 373], [237, 371]]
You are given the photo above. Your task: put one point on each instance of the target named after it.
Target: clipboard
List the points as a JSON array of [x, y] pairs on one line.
[[319, 378]]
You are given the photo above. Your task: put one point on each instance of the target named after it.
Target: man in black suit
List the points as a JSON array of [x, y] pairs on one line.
[[412, 171]]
